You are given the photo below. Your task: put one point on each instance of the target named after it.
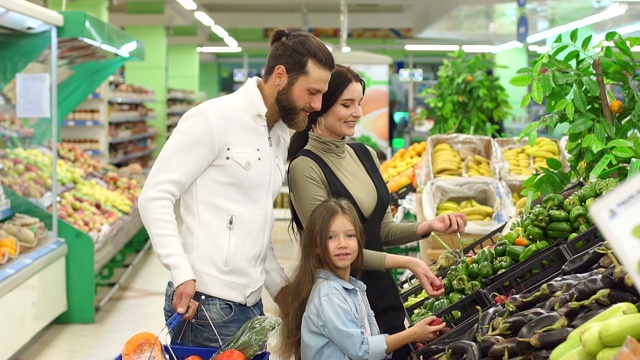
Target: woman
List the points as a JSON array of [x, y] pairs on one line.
[[322, 165]]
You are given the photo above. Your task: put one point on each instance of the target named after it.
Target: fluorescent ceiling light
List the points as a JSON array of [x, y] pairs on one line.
[[506, 46], [90, 41], [346, 49], [614, 10], [218, 30], [231, 42], [129, 47], [477, 48], [431, 47], [218, 49], [204, 18], [623, 30], [539, 49], [188, 4]]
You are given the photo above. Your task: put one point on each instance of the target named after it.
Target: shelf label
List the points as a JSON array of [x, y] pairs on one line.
[[616, 216], [33, 94]]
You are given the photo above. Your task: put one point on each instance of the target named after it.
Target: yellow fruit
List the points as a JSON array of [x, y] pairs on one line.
[[616, 106]]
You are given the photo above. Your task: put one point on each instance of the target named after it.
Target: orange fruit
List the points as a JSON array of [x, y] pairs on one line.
[[468, 79], [616, 106]]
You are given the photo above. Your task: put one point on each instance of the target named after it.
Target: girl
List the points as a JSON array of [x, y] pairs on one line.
[[327, 312]]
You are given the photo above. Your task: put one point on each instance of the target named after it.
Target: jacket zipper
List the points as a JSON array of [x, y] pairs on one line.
[[231, 221]]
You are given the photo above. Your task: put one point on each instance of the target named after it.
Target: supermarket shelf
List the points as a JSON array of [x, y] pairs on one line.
[[130, 100], [25, 265], [177, 111], [131, 156], [123, 139], [72, 123], [181, 98], [92, 152], [172, 123], [129, 119]]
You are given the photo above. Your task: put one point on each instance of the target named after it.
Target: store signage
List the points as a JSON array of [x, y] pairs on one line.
[[616, 216], [406, 75], [523, 29]]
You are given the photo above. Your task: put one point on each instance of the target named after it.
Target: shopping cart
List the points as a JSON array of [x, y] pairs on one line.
[[180, 352]]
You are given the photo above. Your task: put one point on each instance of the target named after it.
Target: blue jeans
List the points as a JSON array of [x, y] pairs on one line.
[[226, 316]]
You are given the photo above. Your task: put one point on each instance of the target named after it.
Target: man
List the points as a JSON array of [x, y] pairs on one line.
[[207, 202]]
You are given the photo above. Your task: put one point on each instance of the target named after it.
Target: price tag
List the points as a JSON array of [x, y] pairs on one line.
[[616, 216], [46, 200]]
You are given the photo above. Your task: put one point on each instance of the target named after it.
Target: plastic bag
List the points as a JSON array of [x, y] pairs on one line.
[[252, 337]]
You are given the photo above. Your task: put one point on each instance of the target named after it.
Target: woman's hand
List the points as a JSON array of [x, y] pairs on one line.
[[430, 283], [446, 223]]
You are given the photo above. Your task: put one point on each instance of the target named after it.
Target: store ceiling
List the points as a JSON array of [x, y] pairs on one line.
[[430, 21]]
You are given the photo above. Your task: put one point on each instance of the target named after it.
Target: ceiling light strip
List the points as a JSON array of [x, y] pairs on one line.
[[415, 47], [218, 49], [188, 4]]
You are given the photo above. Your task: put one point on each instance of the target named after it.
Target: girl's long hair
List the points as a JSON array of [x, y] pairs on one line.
[[314, 255]]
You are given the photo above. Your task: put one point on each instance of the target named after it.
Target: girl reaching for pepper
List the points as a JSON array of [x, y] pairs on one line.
[[328, 316]]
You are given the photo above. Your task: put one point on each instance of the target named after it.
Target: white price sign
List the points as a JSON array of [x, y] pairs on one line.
[[616, 216]]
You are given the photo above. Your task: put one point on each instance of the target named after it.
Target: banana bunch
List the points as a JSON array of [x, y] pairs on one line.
[[520, 202], [446, 161], [543, 149], [519, 161], [447, 207], [478, 166], [476, 211]]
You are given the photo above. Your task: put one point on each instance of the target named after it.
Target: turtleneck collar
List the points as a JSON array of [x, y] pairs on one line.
[[327, 147]]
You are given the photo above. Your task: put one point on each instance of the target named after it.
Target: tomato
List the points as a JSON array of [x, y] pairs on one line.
[[231, 354], [193, 357]]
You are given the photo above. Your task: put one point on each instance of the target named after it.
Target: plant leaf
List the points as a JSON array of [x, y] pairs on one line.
[[619, 143], [536, 91], [599, 133], [528, 129], [570, 110], [536, 68], [560, 105], [558, 39], [608, 127], [524, 70], [597, 146], [586, 42], [573, 54], [623, 152], [588, 140], [580, 100], [591, 85], [530, 180], [623, 47], [547, 84], [521, 80], [574, 36], [554, 163], [525, 101], [608, 52], [610, 35], [532, 138], [580, 126], [559, 49], [604, 161]]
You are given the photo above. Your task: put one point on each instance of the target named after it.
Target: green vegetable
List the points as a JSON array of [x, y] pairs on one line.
[[571, 202], [486, 270], [552, 201], [472, 287], [558, 216], [528, 252], [534, 232], [460, 283], [514, 252], [578, 216], [500, 248], [589, 202], [571, 236], [455, 296], [252, 336], [540, 218], [541, 245], [448, 287], [473, 271], [502, 263], [428, 305], [510, 237], [486, 255], [441, 305], [559, 226], [587, 192], [558, 234]]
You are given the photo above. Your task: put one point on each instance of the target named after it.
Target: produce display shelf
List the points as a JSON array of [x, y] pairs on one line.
[[5, 213], [135, 137], [126, 119], [131, 156], [172, 122], [93, 152], [73, 123], [108, 246], [16, 271], [130, 100], [467, 306], [177, 111], [583, 242]]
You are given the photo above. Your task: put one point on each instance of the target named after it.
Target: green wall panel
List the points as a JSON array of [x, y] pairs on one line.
[[145, 7], [98, 8], [183, 67], [210, 79], [182, 31]]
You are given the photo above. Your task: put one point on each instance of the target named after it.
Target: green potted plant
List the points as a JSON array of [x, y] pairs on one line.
[[467, 98], [575, 79]]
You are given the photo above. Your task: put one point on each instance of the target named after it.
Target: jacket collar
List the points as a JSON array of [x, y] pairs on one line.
[[255, 105], [328, 275]]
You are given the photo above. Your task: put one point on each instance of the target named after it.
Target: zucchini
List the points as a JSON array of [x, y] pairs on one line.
[[576, 354], [607, 353], [615, 331], [612, 312], [590, 340]]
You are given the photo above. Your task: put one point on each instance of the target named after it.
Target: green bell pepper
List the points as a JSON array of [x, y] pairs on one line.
[[456, 314], [541, 245], [486, 270], [448, 287], [578, 216], [552, 201], [472, 287], [502, 263], [554, 235], [454, 272], [441, 305], [589, 202], [428, 305], [460, 283], [571, 202], [510, 237], [486, 255], [558, 216], [609, 184], [473, 271], [534, 233], [514, 252], [571, 236], [455, 296], [528, 252], [586, 192], [562, 226], [528, 220], [541, 218], [500, 248]]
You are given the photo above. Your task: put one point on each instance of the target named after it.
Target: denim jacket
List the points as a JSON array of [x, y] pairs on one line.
[[333, 325]]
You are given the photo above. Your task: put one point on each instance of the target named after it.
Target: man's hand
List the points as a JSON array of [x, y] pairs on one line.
[[183, 301]]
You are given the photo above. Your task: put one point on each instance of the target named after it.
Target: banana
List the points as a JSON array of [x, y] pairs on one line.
[[540, 154], [442, 146], [441, 212], [480, 159], [443, 166], [475, 217], [464, 204], [451, 172], [542, 140], [477, 210], [449, 205], [473, 165], [552, 148]]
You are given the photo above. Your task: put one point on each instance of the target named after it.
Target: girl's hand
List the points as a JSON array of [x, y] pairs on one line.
[[446, 223], [424, 332], [430, 283]]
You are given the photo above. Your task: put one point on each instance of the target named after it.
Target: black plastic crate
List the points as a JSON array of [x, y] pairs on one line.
[[467, 306], [455, 334], [409, 287], [525, 276], [583, 242], [477, 245]]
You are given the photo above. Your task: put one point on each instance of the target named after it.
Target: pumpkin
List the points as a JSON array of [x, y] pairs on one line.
[[143, 346]]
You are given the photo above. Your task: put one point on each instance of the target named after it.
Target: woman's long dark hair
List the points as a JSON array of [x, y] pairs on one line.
[[341, 77]]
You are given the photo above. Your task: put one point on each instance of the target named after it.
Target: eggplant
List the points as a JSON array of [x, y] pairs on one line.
[[435, 349], [484, 321], [586, 289], [561, 282], [549, 304], [488, 342], [514, 323], [617, 296], [549, 340], [547, 322], [581, 262], [470, 335], [585, 316], [508, 346], [524, 302], [469, 349]]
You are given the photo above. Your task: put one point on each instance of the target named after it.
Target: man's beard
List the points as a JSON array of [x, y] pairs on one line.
[[290, 114]]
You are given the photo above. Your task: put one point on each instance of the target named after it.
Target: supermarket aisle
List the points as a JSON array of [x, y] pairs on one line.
[[136, 307]]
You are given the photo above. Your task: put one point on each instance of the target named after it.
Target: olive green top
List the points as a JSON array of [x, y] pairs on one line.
[[308, 188]]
